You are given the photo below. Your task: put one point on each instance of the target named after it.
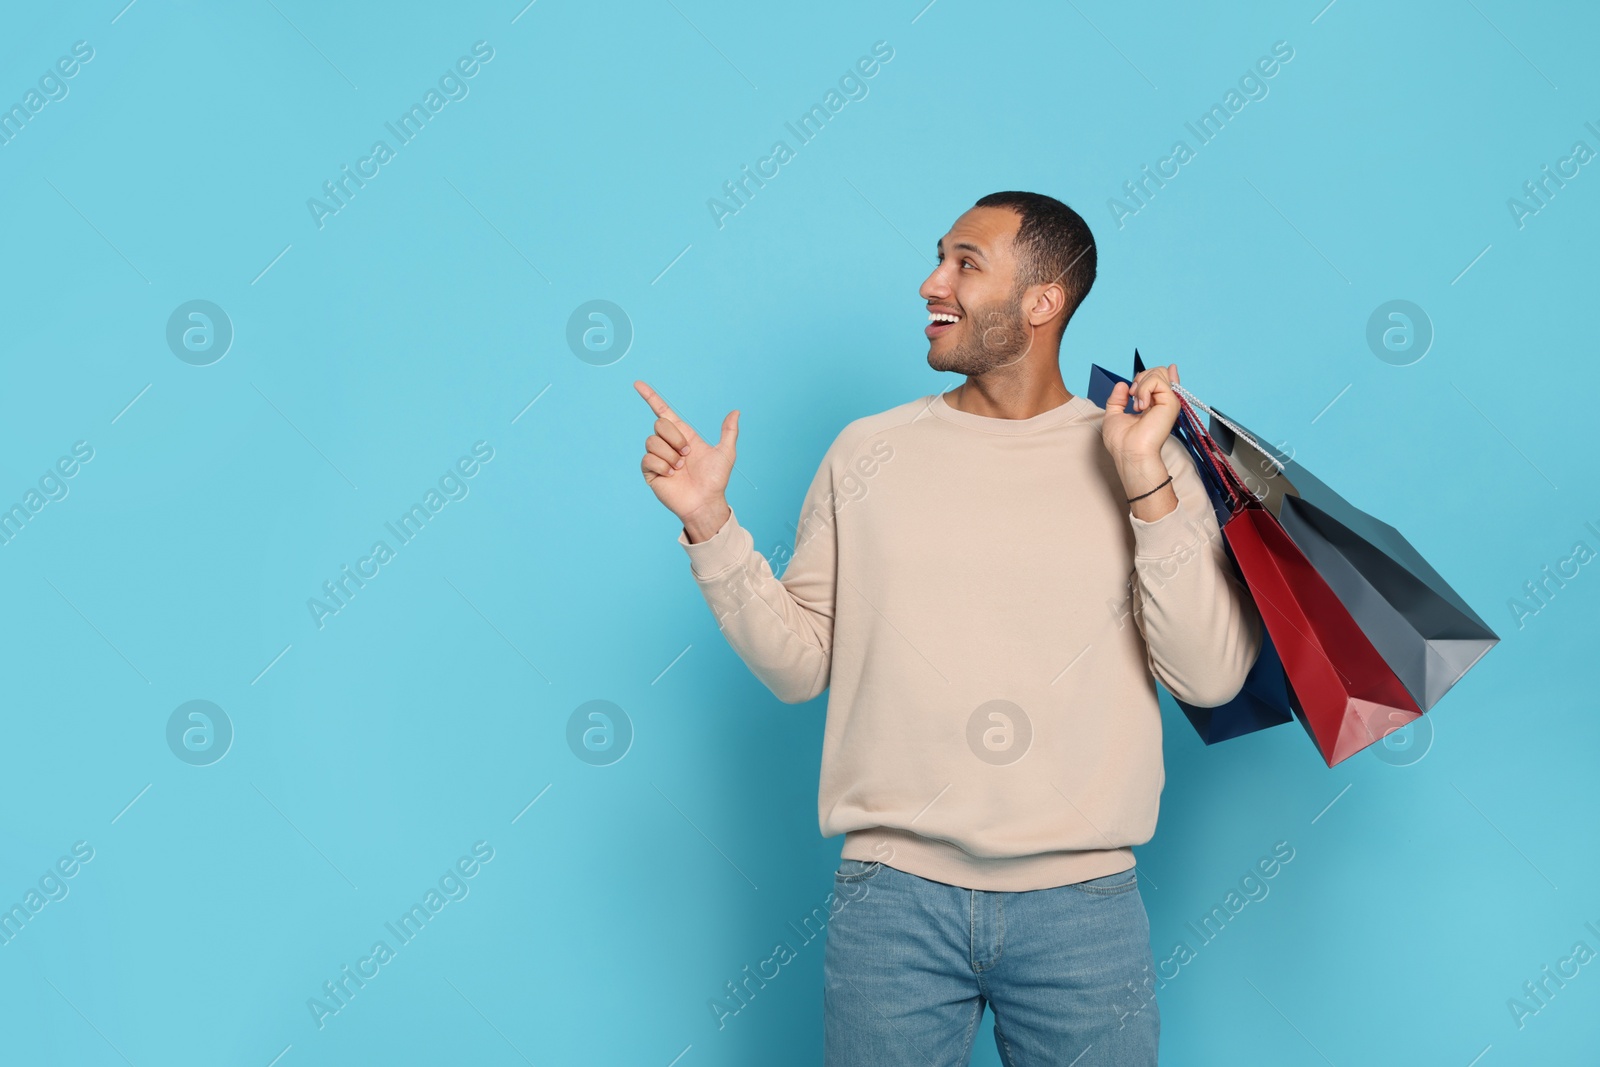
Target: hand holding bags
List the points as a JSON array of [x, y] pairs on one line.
[[1363, 635], [1263, 700]]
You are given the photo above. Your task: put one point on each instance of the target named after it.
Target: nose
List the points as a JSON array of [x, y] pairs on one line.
[[936, 286]]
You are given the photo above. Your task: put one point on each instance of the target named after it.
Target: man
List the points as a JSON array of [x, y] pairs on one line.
[[989, 580]]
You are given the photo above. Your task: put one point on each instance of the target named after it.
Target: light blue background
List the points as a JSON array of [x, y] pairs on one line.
[[432, 310]]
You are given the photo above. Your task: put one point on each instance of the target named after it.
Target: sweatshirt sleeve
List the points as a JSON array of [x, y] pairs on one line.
[[781, 629], [1201, 628]]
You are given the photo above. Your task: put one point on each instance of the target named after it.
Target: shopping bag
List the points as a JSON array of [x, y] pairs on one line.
[[1341, 689], [1422, 627], [1263, 699]]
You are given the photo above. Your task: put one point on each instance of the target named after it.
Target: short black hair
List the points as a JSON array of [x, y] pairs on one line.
[[1053, 243]]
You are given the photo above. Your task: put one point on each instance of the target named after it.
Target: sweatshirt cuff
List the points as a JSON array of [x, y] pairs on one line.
[[726, 549], [1162, 537]]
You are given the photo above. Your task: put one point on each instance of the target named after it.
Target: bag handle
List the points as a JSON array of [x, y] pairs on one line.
[[1234, 489], [1243, 436]]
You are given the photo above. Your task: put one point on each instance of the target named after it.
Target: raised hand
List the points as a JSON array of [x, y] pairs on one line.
[[1134, 439], [688, 475], [1138, 435]]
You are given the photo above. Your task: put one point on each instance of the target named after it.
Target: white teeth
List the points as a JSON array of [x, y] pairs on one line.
[[940, 316]]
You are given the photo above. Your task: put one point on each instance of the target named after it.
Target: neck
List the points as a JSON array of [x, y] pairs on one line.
[[1012, 399]]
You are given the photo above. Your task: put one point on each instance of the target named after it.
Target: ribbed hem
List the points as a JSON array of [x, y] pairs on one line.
[[1171, 534], [724, 550], [940, 861]]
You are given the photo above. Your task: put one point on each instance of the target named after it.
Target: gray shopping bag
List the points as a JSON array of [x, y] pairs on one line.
[[1423, 629]]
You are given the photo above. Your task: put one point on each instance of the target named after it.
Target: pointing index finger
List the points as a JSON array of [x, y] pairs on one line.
[[659, 405]]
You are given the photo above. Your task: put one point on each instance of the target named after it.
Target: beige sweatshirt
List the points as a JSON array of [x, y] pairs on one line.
[[987, 615]]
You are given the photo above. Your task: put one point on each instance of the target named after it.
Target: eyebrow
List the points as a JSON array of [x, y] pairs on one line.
[[974, 249]]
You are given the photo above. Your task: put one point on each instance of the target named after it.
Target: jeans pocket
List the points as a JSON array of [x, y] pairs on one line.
[[856, 870], [1110, 884]]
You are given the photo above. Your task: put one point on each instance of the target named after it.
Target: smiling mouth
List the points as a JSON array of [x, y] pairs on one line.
[[940, 322]]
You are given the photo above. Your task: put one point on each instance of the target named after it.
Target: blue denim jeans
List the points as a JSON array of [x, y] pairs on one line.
[[909, 965]]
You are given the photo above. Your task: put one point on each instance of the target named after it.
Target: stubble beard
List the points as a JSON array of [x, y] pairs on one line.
[[997, 335]]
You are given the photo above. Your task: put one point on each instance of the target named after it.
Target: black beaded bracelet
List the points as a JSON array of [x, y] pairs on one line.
[[1158, 488]]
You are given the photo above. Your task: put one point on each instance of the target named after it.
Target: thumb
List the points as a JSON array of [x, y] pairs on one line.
[[730, 432]]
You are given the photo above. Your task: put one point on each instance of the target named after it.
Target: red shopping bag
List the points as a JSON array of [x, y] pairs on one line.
[[1341, 689]]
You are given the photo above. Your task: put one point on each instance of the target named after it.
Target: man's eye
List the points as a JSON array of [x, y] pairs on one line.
[[968, 263]]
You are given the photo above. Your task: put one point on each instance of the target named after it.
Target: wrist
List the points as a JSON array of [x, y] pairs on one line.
[[1142, 477], [703, 522], [1140, 472]]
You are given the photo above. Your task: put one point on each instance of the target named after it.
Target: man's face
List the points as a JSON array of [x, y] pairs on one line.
[[975, 283]]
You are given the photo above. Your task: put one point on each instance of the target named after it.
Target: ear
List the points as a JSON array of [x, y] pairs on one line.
[[1045, 303]]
